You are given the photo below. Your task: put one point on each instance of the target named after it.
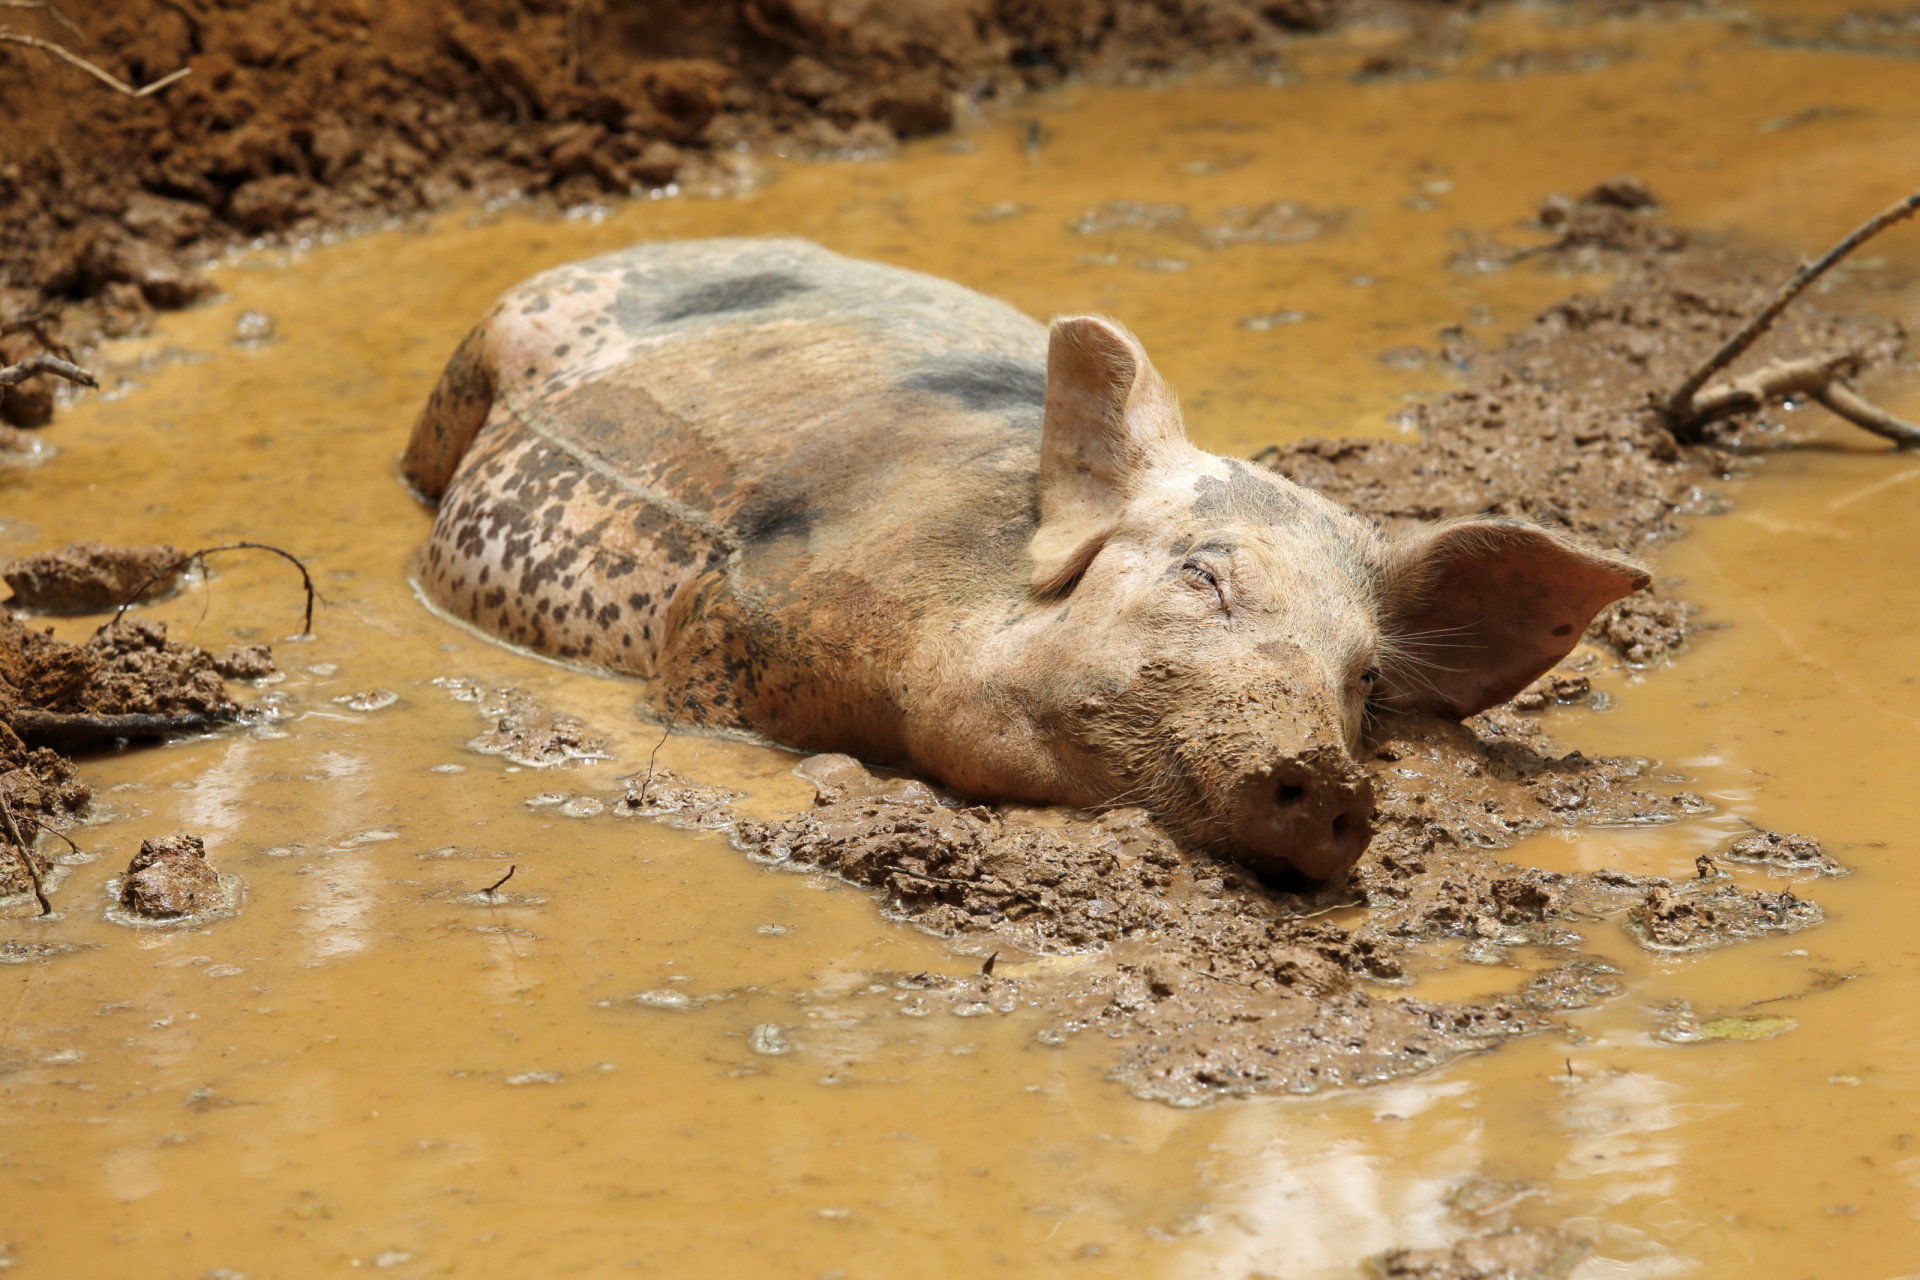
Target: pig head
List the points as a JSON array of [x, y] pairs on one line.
[[1206, 638]]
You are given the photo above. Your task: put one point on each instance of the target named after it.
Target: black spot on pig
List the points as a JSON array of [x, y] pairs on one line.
[[984, 383], [743, 293]]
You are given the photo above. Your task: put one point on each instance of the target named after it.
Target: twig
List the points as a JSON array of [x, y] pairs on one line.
[[10, 36], [1855, 408], [26, 858], [46, 8], [502, 880], [986, 969], [1682, 409], [14, 374], [306, 579], [59, 726]]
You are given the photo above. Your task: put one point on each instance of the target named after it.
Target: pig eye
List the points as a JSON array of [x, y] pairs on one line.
[[1201, 577], [1368, 677]]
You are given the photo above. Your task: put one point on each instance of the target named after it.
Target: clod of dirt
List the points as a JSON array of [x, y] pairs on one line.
[[246, 662], [524, 731], [1784, 854], [661, 793], [170, 877], [1695, 917], [88, 577], [1521, 1253]]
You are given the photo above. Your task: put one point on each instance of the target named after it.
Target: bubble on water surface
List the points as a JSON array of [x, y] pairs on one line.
[[662, 998], [369, 700], [582, 807], [770, 1039]]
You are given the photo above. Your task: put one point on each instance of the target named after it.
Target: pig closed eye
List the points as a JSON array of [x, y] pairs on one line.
[[1202, 578]]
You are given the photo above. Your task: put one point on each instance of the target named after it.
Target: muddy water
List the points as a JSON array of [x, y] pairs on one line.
[[375, 1066]]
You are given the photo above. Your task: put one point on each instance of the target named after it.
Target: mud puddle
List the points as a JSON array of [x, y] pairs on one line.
[[645, 1048]]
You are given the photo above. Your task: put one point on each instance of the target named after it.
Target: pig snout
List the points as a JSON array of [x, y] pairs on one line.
[[1312, 810]]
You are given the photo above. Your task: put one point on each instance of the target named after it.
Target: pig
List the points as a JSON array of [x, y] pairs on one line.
[[852, 508]]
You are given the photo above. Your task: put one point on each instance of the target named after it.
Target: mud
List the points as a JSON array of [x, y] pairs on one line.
[[87, 577], [170, 877], [296, 119], [128, 680], [1521, 1253]]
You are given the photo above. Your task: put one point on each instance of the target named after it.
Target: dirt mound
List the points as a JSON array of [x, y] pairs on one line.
[[170, 877], [295, 116], [87, 577], [127, 681]]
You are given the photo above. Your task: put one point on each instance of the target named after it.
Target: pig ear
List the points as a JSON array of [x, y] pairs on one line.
[[1477, 610], [1109, 418]]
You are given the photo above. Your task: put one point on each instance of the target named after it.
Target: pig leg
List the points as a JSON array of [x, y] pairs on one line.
[[536, 546]]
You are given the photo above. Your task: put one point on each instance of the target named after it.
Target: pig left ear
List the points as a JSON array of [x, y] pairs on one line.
[[1109, 419], [1476, 610]]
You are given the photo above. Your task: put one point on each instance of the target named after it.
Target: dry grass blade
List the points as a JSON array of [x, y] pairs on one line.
[[50, 10], [10, 36]]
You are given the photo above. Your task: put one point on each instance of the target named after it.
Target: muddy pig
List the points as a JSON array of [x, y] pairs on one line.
[[854, 508]]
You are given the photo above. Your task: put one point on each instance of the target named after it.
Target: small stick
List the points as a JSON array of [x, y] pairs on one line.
[[987, 968], [9, 35], [1679, 409], [306, 579], [26, 858], [46, 8], [14, 374], [1855, 408], [502, 880]]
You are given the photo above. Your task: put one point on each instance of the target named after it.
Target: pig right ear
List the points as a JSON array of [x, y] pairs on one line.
[[1109, 418], [1477, 609]]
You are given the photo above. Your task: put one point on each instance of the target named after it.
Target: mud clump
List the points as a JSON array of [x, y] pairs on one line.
[[661, 793], [1693, 917], [170, 877], [523, 730], [1520, 1253], [126, 681], [246, 662], [1783, 854], [88, 577]]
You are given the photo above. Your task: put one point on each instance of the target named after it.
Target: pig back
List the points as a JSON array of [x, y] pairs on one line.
[[757, 447]]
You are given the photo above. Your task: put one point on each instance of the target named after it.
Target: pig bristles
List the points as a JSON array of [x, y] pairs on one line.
[[1693, 405]]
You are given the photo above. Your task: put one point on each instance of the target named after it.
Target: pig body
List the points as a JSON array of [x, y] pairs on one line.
[[854, 508]]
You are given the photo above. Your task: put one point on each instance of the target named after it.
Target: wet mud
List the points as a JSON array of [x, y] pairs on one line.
[[87, 577], [294, 120]]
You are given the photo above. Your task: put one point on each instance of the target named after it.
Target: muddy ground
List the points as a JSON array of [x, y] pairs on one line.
[[297, 117]]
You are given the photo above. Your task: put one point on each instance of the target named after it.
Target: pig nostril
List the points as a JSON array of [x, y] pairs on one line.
[[1287, 794], [1342, 823]]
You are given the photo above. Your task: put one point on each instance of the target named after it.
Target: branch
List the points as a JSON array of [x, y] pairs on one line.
[[14, 374], [1687, 410], [10, 36], [306, 579], [26, 858]]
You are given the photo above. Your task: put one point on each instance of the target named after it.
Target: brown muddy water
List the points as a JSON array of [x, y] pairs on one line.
[[374, 1066]]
